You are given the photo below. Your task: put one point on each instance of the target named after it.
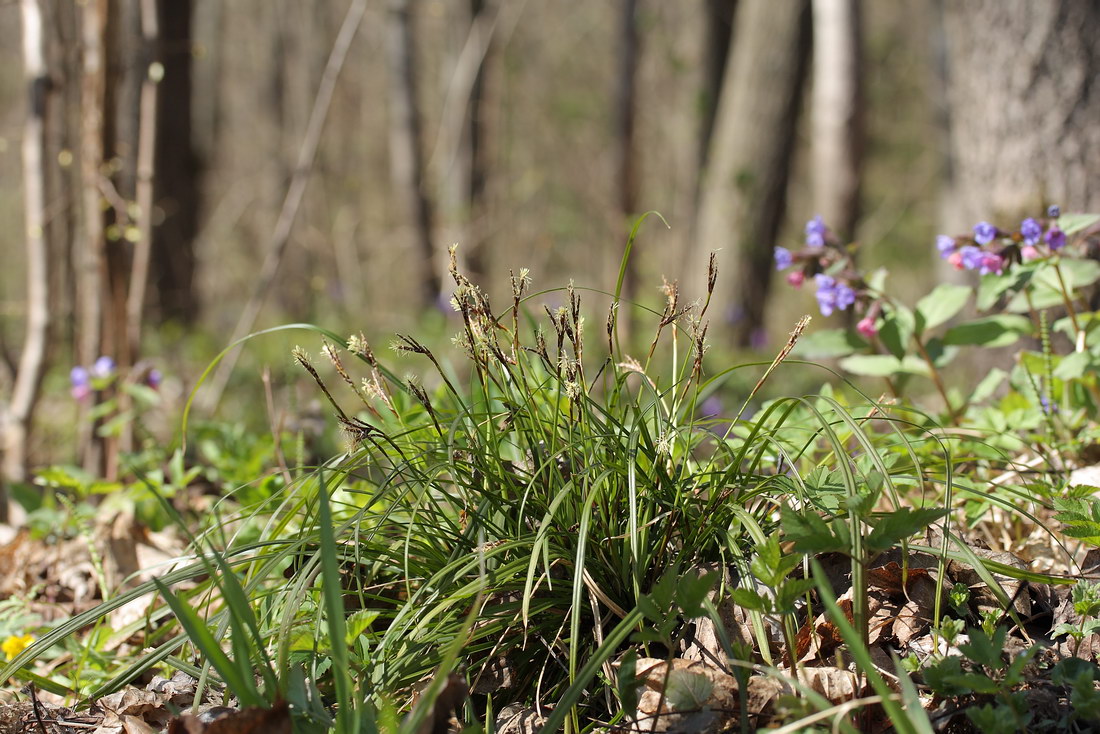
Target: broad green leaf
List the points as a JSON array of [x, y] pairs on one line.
[[1073, 366], [1074, 223], [828, 344], [992, 331], [941, 305], [749, 599], [883, 365], [988, 385], [687, 690], [992, 287], [897, 329]]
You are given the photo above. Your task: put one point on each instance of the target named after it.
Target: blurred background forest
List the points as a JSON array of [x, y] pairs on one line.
[[177, 173]]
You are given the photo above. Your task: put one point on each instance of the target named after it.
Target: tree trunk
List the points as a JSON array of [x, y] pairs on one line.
[[719, 33], [16, 417], [92, 263], [1023, 88], [744, 187], [406, 144], [626, 96], [837, 113], [177, 170]]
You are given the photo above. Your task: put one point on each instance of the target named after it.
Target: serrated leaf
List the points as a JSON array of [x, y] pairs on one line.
[[941, 305], [809, 533], [983, 649], [899, 524]]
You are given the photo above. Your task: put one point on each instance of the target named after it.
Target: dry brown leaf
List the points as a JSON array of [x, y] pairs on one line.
[[519, 719], [894, 578], [834, 684], [275, 720], [691, 697]]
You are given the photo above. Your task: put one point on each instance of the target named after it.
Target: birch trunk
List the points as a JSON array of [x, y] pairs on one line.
[[16, 417], [837, 146]]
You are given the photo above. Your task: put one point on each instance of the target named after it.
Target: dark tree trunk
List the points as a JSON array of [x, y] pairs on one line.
[[177, 170], [406, 144], [718, 35], [1024, 90], [626, 102], [745, 184]]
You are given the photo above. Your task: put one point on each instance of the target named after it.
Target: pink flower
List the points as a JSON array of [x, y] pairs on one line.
[[1029, 252], [956, 260], [795, 278], [81, 392], [866, 327], [991, 263]]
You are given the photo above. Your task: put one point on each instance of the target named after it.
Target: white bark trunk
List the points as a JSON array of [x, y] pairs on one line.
[[32, 360]]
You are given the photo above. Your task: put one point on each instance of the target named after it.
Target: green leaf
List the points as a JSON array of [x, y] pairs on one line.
[[687, 690], [983, 649], [810, 533], [897, 329], [692, 591], [992, 287], [1073, 366], [239, 685], [988, 385], [899, 524], [828, 344], [992, 331], [750, 599], [789, 593], [941, 305], [883, 365], [1074, 223]]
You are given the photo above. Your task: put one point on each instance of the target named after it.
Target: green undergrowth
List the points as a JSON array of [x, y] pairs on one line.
[[554, 507]]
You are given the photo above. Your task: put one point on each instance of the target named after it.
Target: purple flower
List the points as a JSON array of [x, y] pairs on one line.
[[1055, 237], [984, 232], [783, 258], [79, 376], [992, 263], [946, 245], [103, 367], [832, 295], [1054, 211], [711, 407], [970, 257], [1031, 231], [154, 378], [815, 232]]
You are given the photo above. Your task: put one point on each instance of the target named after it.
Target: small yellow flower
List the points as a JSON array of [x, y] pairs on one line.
[[16, 644]]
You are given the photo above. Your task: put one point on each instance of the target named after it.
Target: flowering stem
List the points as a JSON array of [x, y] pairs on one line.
[[1079, 341], [937, 380]]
